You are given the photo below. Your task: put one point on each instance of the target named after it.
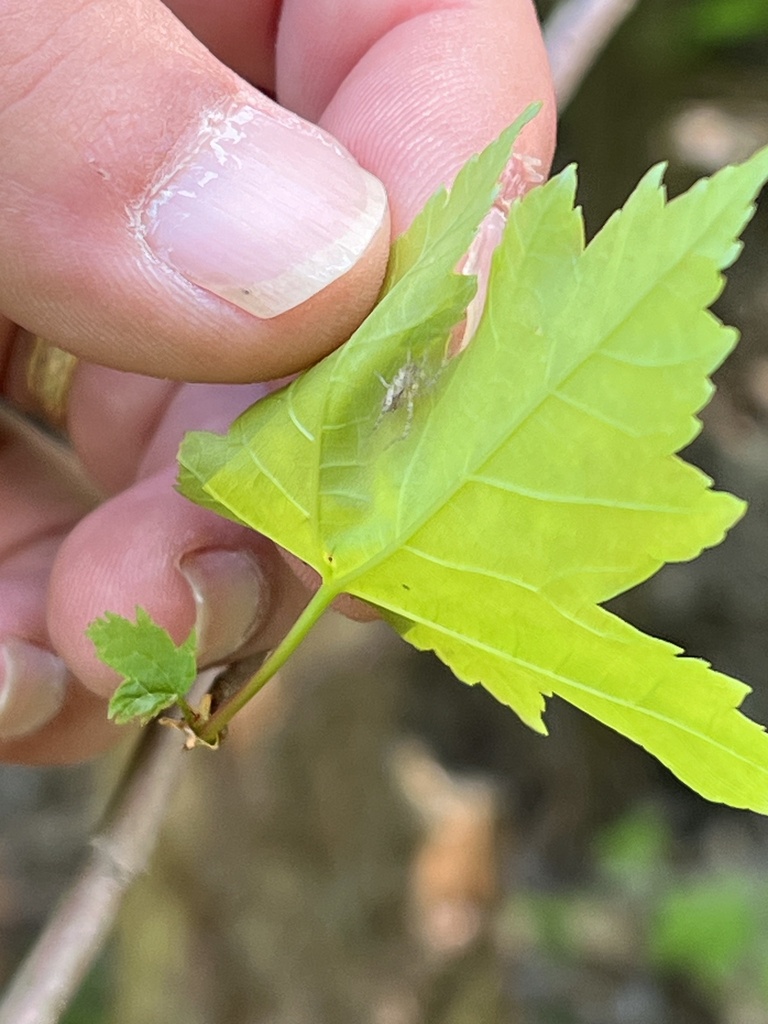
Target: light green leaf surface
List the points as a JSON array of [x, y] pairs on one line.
[[535, 475], [157, 673], [283, 473]]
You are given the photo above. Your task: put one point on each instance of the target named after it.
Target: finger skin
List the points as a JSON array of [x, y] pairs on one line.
[[414, 89], [99, 102], [112, 558], [38, 506], [80, 731], [128, 552]]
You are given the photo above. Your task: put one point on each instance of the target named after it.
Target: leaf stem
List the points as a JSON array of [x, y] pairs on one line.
[[187, 713], [213, 728]]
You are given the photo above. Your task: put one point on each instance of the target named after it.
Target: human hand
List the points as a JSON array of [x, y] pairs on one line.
[[164, 221]]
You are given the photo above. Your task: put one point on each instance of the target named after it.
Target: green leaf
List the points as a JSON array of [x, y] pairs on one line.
[[489, 503], [442, 231], [428, 300], [157, 673]]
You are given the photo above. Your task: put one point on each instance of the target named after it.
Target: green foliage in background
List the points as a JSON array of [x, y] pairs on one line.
[[644, 913], [707, 927], [725, 21]]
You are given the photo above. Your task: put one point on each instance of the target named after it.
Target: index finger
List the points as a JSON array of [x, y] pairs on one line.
[[414, 87]]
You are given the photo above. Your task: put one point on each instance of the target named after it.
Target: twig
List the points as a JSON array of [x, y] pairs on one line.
[[53, 970], [575, 33]]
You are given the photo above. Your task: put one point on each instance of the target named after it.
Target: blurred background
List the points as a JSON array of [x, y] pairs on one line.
[[379, 844]]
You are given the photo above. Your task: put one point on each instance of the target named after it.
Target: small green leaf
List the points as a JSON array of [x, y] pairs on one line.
[[157, 673]]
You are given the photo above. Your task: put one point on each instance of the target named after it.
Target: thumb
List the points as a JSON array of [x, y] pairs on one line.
[[160, 215]]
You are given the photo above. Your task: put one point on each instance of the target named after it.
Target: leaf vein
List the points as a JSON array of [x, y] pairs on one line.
[[296, 421], [571, 499], [596, 415], [276, 482], [464, 567]]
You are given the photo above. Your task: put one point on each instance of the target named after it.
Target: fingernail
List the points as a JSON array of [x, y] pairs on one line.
[[32, 687], [230, 600], [263, 210]]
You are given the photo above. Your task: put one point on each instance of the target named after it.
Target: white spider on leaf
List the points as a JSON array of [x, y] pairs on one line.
[[404, 388]]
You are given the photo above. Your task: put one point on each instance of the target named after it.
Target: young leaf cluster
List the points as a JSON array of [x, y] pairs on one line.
[[157, 673]]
